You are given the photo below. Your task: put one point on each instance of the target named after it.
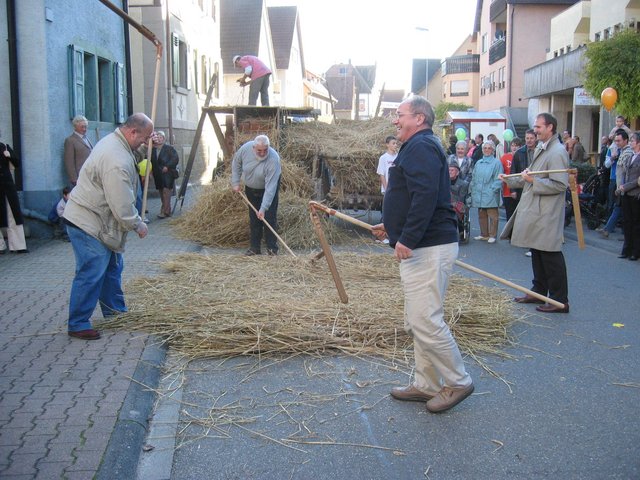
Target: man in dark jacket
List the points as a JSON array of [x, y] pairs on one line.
[[422, 229], [523, 158], [477, 153]]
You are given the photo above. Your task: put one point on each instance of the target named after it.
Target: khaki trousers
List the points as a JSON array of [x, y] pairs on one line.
[[425, 276], [488, 219]]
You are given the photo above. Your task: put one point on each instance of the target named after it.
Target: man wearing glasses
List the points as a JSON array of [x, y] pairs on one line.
[[421, 226]]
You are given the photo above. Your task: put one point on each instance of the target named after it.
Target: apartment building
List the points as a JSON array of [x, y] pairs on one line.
[[555, 85], [513, 35]]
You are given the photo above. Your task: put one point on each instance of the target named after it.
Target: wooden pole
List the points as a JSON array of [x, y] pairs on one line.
[[246, 200], [573, 186], [326, 250], [151, 37], [471, 268], [542, 172], [515, 286], [153, 119]]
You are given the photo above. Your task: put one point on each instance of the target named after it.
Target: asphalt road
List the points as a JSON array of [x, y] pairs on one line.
[[571, 409]]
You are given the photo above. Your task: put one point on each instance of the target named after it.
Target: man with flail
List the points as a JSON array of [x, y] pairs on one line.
[[538, 222], [422, 229], [258, 165]]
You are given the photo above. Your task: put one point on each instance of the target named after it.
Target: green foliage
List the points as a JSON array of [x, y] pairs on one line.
[[615, 63], [585, 170], [444, 107]]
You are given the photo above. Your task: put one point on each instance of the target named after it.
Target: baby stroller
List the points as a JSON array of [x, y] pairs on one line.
[[591, 210], [460, 201]]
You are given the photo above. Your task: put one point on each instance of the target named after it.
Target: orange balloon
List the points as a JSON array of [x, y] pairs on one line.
[[609, 97]]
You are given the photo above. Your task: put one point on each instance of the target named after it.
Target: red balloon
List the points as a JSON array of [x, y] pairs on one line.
[[609, 97]]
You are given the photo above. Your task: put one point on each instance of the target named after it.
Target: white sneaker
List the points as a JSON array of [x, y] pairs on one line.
[[491, 240], [385, 241], [480, 237], [527, 253]]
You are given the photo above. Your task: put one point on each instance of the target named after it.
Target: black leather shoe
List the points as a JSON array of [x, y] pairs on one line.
[[547, 308], [527, 299], [623, 256], [633, 258]]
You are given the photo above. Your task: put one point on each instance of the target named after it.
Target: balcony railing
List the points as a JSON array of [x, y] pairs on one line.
[[559, 74], [498, 50], [461, 64]]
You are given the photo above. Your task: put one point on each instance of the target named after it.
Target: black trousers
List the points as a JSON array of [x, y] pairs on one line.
[[510, 205], [631, 225], [550, 275], [257, 226]]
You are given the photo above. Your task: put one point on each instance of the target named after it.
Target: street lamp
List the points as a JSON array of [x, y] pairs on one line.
[[426, 64]]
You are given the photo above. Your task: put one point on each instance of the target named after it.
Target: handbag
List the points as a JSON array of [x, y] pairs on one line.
[[175, 172]]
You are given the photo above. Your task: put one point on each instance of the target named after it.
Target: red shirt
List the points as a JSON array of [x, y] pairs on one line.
[[506, 161]]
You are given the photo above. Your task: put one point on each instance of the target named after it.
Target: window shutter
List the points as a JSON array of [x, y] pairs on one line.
[[175, 60], [76, 81], [121, 92], [189, 69]]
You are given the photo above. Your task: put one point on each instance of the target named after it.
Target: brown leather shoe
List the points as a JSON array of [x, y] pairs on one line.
[[547, 308], [410, 394], [89, 334], [527, 299], [448, 398]]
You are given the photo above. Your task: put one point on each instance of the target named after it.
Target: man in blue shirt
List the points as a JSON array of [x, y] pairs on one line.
[[422, 229]]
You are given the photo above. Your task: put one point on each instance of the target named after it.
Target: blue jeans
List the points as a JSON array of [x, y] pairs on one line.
[[98, 278], [613, 219]]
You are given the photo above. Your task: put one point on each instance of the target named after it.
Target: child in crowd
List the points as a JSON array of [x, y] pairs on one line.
[[385, 162], [55, 216]]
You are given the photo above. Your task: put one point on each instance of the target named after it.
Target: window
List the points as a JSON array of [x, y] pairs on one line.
[[484, 43], [179, 62], [97, 87], [597, 37], [460, 88], [492, 81], [197, 84], [502, 77]]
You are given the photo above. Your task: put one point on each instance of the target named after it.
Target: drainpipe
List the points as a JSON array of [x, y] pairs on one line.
[[510, 30], [16, 134], [169, 81], [127, 59]]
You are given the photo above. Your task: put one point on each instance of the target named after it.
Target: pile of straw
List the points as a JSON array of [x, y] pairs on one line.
[[226, 305], [350, 148], [345, 140], [219, 217]]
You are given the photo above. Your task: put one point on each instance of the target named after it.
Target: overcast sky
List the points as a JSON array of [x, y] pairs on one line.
[[381, 31]]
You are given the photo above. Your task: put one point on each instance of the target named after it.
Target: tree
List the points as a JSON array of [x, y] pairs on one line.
[[444, 107], [615, 63]]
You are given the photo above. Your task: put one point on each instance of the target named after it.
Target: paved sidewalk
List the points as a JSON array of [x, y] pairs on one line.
[[61, 399]]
